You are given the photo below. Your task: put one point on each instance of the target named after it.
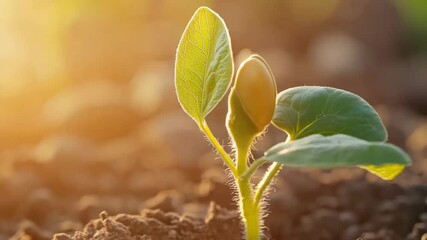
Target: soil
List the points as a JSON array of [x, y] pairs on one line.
[[219, 223], [75, 193]]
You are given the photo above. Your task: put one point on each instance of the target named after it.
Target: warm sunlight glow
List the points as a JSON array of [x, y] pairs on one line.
[[91, 124]]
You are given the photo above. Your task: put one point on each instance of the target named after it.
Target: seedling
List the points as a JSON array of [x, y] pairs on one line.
[[325, 127]]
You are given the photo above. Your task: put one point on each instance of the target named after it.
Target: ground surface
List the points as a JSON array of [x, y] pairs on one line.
[[74, 192]]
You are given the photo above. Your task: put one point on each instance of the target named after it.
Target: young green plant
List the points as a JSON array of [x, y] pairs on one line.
[[325, 127]]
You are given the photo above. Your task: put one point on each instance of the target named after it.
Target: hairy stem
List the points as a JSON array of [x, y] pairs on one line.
[[242, 153], [250, 213], [266, 181], [268, 178], [227, 159], [252, 168]]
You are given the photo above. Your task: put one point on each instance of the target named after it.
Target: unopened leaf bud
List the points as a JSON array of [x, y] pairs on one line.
[[252, 99]]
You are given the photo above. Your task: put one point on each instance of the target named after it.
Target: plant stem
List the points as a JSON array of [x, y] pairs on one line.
[[252, 168], [242, 157], [227, 159], [266, 181], [248, 210], [272, 171]]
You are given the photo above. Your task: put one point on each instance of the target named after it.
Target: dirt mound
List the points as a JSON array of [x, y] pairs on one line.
[[218, 223]]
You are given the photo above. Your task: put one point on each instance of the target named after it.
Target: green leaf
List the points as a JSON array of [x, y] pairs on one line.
[[303, 111], [204, 64], [387, 172], [383, 159]]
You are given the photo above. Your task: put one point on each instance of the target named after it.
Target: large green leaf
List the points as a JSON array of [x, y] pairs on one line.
[[307, 110], [204, 64], [382, 159]]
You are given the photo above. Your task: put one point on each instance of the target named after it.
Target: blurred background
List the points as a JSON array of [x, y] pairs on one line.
[[83, 83], [100, 69]]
